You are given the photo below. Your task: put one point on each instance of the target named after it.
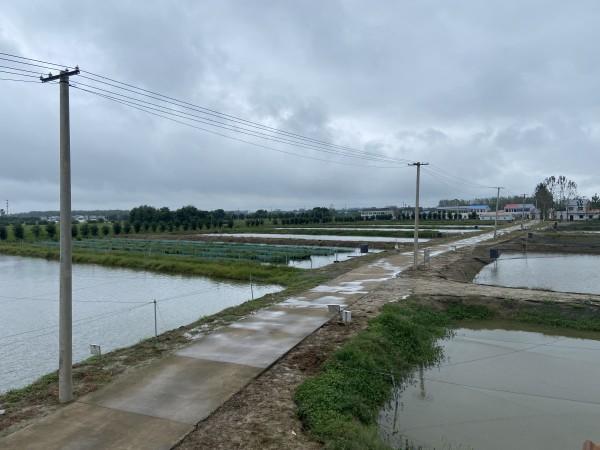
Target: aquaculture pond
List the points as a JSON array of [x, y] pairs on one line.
[[111, 307], [227, 251], [553, 271], [501, 389], [319, 237], [383, 229]]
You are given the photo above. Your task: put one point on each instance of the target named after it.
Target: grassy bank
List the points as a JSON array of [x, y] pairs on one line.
[[339, 407], [232, 270]]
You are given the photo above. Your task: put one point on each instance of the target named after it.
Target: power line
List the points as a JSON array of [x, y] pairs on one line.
[[21, 70], [212, 112], [60, 66], [233, 137], [23, 81], [28, 64], [228, 127], [20, 74]]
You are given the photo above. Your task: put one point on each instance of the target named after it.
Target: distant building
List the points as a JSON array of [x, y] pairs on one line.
[[519, 210], [374, 214], [578, 209], [503, 216], [464, 211]]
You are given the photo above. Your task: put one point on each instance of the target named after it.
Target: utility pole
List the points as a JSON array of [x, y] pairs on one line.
[[7, 207], [416, 251], [523, 212], [497, 204], [65, 322]]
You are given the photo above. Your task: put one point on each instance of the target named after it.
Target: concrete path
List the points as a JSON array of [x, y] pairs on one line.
[[152, 408]]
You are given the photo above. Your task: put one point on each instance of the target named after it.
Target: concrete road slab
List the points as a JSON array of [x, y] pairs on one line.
[[81, 427], [260, 339], [177, 388]]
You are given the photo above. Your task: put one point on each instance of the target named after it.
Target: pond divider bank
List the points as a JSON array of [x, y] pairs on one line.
[[228, 270]]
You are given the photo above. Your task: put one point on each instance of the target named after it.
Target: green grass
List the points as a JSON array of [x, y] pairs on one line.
[[232, 270], [339, 406]]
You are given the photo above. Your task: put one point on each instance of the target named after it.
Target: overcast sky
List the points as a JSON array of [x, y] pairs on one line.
[[495, 93]]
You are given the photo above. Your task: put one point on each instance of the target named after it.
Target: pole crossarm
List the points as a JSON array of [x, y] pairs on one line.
[[62, 75]]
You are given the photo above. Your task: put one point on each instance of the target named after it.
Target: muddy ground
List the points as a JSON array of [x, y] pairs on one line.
[[263, 415]]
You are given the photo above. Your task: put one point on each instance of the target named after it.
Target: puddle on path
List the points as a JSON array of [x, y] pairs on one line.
[[501, 389], [554, 271]]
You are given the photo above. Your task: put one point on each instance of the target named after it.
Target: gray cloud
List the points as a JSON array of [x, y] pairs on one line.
[[494, 93]]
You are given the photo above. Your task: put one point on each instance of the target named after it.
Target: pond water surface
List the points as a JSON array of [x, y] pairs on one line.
[[501, 389], [318, 237], [440, 230], [111, 307], [316, 261], [554, 271]]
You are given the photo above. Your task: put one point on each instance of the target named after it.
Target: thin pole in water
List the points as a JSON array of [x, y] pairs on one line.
[[251, 288], [155, 324]]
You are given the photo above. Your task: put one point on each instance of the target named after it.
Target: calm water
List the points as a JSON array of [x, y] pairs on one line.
[[316, 261], [441, 230], [499, 390], [318, 237], [556, 272], [110, 308]]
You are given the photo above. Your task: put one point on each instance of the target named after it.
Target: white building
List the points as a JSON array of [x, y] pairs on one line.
[[374, 214], [464, 211], [503, 216], [519, 209], [578, 209]]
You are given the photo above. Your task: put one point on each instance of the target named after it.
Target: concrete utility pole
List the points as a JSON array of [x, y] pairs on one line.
[[416, 255], [7, 207], [65, 323], [497, 204], [523, 212]]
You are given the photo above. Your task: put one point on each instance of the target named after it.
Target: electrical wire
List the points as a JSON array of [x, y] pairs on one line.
[[60, 66], [144, 92], [223, 125], [255, 144]]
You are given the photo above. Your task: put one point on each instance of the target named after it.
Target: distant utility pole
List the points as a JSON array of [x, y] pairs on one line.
[[7, 207], [416, 255], [497, 204], [523, 211], [65, 323]]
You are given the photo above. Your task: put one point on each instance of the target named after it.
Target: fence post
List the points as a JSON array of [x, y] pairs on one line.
[[155, 325]]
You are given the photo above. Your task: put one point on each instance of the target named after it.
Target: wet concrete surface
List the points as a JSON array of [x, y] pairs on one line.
[[185, 388]]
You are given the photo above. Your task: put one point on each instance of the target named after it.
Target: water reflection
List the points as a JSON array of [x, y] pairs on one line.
[[552, 271], [501, 389]]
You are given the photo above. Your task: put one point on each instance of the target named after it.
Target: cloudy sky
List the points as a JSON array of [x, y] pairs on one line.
[[491, 93]]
